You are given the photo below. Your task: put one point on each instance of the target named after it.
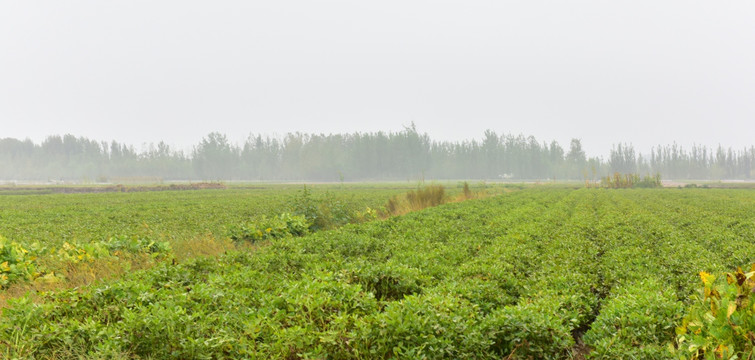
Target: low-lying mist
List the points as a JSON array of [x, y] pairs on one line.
[[402, 155]]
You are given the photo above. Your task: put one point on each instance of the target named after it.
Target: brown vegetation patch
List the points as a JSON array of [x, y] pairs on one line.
[[75, 275]]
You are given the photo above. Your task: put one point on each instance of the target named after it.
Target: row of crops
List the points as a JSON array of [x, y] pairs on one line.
[[49, 240], [541, 273]]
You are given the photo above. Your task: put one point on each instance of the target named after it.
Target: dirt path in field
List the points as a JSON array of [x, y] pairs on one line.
[[580, 351]]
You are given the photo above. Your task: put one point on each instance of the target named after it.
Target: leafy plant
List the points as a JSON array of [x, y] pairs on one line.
[[15, 263], [626, 181], [720, 323], [136, 245], [324, 211], [637, 321], [529, 331], [525, 275], [76, 253], [265, 228]]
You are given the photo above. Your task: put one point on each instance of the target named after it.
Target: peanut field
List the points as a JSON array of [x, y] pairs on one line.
[[542, 272]]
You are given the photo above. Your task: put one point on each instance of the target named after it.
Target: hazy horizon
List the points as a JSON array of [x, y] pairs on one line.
[[138, 72], [240, 141]]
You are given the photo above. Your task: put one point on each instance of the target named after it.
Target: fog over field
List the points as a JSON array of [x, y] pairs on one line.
[[641, 73], [396, 179], [166, 76]]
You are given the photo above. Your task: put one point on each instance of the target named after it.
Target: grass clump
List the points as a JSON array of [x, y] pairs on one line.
[[414, 200], [628, 181]]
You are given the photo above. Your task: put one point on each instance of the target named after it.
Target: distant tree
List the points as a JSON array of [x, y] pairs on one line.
[[402, 155], [491, 148], [215, 158], [576, 155], [576, 159], [623, 159]]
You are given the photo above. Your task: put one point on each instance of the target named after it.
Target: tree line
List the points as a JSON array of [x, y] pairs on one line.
[[401, 155]]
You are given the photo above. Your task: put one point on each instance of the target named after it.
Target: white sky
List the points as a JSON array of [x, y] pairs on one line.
[[645, 72]]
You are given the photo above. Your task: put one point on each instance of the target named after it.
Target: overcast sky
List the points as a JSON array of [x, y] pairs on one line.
[[644, 72]]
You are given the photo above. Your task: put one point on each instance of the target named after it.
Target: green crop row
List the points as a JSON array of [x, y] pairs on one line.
[[41, 235], [543, 273]]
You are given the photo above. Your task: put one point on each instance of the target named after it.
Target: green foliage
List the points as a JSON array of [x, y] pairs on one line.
[[720, 322], [425, 326], [327, 211], [635, 323], [388, 281], [530, 330], [136, 245], [265, 228], [15, 263], [114, 246], [526, 275], [296, 225], [76, 253], [627, 181], [368, 214], [63, 229]]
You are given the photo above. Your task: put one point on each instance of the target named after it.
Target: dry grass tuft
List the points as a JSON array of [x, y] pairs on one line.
[[206, 245], [415, 200]]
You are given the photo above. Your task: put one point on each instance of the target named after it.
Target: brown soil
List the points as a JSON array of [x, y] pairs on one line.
[[580, 351]]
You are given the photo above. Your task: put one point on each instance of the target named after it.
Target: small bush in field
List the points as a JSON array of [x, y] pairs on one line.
[[266, 228], [323, 212]]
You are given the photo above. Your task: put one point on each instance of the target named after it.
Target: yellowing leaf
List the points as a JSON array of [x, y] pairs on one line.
[[681, 330], [731, 309], [721, 350], [49, 278], [707, 278], [715, 294], [730, 279]]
